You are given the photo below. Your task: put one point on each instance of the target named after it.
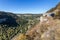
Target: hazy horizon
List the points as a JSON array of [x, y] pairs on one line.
[[27, 6]]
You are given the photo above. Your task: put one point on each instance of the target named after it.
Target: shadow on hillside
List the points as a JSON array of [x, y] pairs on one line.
[[8, 20]]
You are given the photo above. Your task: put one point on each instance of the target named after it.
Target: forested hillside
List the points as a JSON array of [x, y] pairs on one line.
[[11, 24]]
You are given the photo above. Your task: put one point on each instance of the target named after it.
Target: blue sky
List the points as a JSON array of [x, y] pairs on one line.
[[27, 6]]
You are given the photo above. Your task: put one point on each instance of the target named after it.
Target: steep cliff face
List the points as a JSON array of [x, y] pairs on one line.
[[55, 10]]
